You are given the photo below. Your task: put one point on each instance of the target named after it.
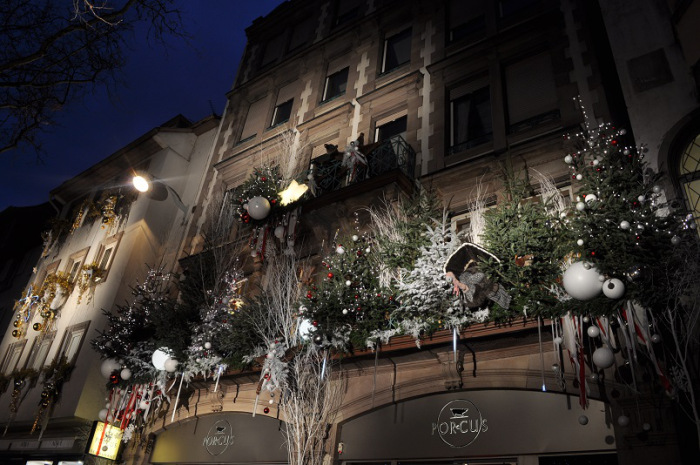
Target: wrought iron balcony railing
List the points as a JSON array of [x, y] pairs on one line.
[[336, 170]]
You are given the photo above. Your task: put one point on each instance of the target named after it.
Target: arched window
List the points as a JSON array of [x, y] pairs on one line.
[[689, 176]]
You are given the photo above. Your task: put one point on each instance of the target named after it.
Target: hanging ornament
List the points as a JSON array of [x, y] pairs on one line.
[[125, 374], [159, 357], [279, 232], [258, 208], [580, 282], [579, 177], [37, 326], [583, 420], [623, 420], [580, 206], [656, 189], [634, 273], [558, 340], [207, 345], [675, 240], [318, 339], [603, 357], [355, 237], [656, 338], [102, 414], [340, 250], [109, 366], [170, 365], [266, 410], [624, 225], [613, 288], [590, 198], [579, 242], [568, 159], [593, 331]]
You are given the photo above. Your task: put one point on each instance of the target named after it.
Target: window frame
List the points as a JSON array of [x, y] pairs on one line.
[[42, 341], [275, 113], [326, 97], [396, 37], [470, 142], [76, 259], [72, 334], [13, 355], [109, 244]]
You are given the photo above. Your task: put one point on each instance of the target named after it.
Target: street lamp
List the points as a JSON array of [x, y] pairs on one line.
[[157, 189]]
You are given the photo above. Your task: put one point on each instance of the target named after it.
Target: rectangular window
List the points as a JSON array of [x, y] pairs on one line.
[[273, 50], [471, 123], [302, 32], [72, 341], [466, 19], [12, 356], [396, 127], [531, 92], [336, 84], [40, 350], [397, 50], [254, 120], [347, 10], [105, 256], [75, 264], [510, 7], [282, 113]]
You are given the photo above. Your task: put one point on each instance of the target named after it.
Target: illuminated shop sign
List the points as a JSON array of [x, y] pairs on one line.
[[459, 423], [105, 440]]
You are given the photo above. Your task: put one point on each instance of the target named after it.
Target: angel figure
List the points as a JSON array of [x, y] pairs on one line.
[[470, 283]]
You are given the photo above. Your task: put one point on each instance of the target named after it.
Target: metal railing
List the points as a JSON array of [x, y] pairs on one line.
[[334, 171]]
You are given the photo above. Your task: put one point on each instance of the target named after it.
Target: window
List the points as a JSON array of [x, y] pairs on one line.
[[273, 50], [347, 10], [105, 257], [254, 120], [75, 264], [397, 50], [72, 341], [393, 128], [531, 93], [336, 84], [470, 116], [40, 350], [466, 18], [302, 32], [12, 356], [283, 105], [690, 177]]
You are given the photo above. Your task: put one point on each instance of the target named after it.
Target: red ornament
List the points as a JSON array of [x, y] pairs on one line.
[[273, 201], [593, 252], [315, 323], [263, 179], [266, 410], [613, 142], [359, 253], [330, 275], [309, 295], [357, 296]]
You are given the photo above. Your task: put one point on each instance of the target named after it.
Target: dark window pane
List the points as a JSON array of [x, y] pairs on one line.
[[397, 50], [509, 7], [471, 119], [347, 11], [466, 19], [282, 113], [273, 50], [336, 84], [302, 33], [391, 129]]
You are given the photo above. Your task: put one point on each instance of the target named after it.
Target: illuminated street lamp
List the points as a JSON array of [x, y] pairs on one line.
[[157, 189]]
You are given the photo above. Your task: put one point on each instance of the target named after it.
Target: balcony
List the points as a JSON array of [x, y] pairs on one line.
[[334, 177]]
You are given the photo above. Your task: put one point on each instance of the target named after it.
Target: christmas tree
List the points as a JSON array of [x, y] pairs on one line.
[[349, 304], [523, 232], [621, 227]]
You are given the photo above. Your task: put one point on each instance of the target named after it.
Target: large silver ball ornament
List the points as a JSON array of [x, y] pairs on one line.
[[603, 357], [613, 288], [581, 283], [258, 208]]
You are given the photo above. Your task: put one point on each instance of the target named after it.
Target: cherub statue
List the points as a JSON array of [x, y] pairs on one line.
[[469, 282]]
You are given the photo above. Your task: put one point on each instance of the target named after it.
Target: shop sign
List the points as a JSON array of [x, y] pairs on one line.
[[58, 443], [219, 438], [459, 423]]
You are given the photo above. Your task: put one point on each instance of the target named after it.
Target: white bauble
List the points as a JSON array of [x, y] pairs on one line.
[[586, 319], [641, 198], [355, 237], [170, 365], [304, 328], [340, 250], [580, 206], [345, 311], [579, 177], [102, 414], [557, 340], [603, 357], [623, 420], [625, 224], [646, 426], [656, 189], [613, 288], [583, 420], [593, 331], [159, 357], [125, 374], [279, 232], [591, 198], [675, 240], [207, 345], [596, 162], [579, 242], [108, 367], [568, 159], [143, 405], [581, 283], [656, 338], [258, 207]]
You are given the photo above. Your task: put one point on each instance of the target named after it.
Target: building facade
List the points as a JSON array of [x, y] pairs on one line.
[[104, 239]]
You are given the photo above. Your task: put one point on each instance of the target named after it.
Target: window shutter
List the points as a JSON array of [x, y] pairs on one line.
[[255, 120]]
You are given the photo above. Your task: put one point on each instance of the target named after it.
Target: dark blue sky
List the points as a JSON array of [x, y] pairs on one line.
[[158, 83]]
